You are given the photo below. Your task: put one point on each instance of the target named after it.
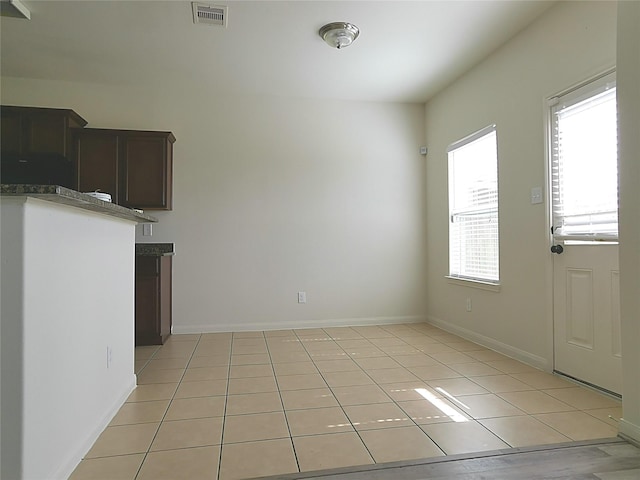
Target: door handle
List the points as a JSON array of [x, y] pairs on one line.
[[558, 249]]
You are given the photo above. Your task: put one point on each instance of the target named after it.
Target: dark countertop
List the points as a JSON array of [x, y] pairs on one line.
[[66, 196], [155, 249]]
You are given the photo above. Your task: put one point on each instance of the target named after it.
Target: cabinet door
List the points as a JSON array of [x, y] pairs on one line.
[[153, 300], [147, 301], [12, 137], [146, 175], [45, 134], [97, 158], [38, 133], [165, 297]]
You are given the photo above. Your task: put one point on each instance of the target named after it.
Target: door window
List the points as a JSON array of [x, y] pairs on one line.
[[584, 160]]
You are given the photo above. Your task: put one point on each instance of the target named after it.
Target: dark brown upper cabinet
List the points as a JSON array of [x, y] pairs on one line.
[[38, 133], [97, 162], [135, 167]]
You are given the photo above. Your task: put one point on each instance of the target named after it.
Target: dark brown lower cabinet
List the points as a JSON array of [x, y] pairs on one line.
[[153, 299]]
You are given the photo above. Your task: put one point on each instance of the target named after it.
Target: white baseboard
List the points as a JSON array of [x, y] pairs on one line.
[[508, 350], [73, 459], [629, 431], [321, 323]]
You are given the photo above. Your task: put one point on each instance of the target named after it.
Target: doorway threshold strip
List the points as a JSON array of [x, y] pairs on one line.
[[417, 469], [582, 383]]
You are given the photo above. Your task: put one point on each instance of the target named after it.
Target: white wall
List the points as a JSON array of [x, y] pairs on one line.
[[273, 196], [628, 88], [569, 43], [67, 295]]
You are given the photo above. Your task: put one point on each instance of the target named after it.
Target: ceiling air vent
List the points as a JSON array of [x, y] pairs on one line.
[[209, 14]]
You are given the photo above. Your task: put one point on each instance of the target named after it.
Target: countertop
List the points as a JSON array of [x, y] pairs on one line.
[[66, 196], [155, 249]]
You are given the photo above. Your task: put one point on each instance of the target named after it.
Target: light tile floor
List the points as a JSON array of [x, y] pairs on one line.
[[240, 405]]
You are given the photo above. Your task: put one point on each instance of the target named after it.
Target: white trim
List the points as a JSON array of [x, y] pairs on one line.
[[21, 8], [319, 323], [471, 138], [473, 283], [508, 350], [71, 462], [586, 89], [549, 277], [597, 75], [629, 431], [588, 238]]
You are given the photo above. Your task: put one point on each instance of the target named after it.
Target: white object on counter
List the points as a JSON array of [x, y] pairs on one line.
[[105, 197]]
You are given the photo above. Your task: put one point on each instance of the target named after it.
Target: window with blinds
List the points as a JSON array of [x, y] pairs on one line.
[[584, 163], [473, 207]]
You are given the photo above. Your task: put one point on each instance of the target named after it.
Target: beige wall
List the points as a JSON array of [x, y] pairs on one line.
[[629, 144], [273, 196], [567, 45]]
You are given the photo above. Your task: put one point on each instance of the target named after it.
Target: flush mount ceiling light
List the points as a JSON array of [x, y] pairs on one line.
[[339, 34]]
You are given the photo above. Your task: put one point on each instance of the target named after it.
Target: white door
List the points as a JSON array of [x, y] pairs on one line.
[[584, 183], [587, 315]]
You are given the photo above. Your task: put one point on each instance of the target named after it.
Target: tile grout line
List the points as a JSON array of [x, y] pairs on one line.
[[360, 369], [532, 388], [421, 429], [333, 393], [489, 392], [154, 435], [342, 406], [392, 399], [146, 454], [402, 409], [426, 383], [146, 361], [406, 368], [385, 354], [224, 412], [284, 411], [529, 415], [572, 408]]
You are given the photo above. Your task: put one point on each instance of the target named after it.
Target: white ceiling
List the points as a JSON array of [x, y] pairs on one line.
[[406, 52]]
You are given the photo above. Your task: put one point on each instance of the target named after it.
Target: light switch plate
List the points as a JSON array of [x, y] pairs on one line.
[[147, 229]]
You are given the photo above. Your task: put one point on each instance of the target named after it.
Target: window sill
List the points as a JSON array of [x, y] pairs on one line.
[[467, 282]]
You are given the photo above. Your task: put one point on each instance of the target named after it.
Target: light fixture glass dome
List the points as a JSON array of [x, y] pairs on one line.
[[339, 34]]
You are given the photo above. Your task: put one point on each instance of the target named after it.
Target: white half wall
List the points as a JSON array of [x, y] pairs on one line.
[[569, 43], [628, 88], [67, 296], [273, 196]]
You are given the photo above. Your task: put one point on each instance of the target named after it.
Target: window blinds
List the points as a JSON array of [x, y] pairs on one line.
[[473, 207], [584, 160]]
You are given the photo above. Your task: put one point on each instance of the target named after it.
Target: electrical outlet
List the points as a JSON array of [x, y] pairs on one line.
[[468, 304], [302, 297], [147, 229]]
